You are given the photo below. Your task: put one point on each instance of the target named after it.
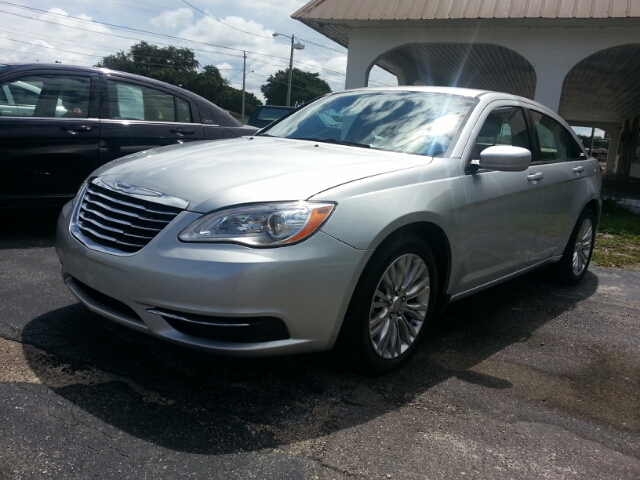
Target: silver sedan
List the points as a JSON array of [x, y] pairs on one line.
[[349, 224]]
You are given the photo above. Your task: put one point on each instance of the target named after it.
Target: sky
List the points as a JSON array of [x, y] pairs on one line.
[[81, 32]]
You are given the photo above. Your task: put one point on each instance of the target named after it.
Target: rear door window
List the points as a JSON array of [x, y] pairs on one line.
[[555, 142], [134, 102]]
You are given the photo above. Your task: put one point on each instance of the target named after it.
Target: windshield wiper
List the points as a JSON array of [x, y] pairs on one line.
[[334, 140]]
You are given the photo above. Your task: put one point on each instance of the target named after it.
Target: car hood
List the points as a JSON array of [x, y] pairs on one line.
[[212, 175]]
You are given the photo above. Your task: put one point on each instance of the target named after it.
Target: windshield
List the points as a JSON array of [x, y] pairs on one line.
[[422, 123]]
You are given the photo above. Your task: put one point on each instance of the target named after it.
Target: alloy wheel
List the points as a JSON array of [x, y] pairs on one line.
[[583, 246], [399, 306]]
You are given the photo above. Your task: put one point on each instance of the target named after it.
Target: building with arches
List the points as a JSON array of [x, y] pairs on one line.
[[580, 58]]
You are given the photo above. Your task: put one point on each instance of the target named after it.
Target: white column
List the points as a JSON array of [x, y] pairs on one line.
[[549, 77], [614, 143], [359, 59]]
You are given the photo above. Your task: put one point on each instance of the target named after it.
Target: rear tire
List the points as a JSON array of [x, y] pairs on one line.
[[577, 254], [391, 307]]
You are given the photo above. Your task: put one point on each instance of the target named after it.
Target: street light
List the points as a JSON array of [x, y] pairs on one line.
[[294, 46]]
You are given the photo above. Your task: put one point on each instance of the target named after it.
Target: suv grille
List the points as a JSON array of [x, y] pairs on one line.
[[121, 223]]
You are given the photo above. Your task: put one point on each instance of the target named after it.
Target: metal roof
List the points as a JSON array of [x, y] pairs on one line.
[[602, 87], [465, 9]]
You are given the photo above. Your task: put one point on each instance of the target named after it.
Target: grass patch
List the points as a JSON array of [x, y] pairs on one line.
[[618, 237]]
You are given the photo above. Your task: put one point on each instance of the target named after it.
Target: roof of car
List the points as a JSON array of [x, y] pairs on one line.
[[60, 66], [465, 92], [487, 95], [203, 102]]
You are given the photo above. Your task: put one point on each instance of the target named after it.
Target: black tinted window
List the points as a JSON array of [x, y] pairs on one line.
[[46, 96], [134, 102], [183, 110]]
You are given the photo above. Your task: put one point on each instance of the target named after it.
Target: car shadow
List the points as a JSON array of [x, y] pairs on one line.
[[28, 229], [196, 402]]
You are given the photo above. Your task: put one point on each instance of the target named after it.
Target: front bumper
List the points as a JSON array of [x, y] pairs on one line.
[[305, 287]]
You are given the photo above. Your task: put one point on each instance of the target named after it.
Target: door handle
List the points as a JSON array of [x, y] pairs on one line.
[[535, 176], [73, 129], [182, 131], [578, 169]]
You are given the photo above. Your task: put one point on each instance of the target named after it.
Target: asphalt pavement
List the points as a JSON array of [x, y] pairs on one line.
[[525, 380]]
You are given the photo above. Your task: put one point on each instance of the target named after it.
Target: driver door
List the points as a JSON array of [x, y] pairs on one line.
[[502, 211]]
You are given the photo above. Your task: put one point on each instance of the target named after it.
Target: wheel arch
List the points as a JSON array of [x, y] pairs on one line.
[[595, 206], [438, 241]]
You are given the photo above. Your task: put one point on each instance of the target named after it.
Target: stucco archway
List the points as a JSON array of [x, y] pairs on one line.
[[603, 87], [479, 65]]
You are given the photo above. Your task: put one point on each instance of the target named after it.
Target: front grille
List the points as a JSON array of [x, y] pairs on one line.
[[120, 222]]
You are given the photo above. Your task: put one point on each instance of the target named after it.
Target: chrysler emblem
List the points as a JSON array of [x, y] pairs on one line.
[[127, 188]]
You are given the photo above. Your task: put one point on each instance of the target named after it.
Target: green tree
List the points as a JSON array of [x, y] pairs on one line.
[[232, 101], [151, 60], [178, 66], [305, 86]]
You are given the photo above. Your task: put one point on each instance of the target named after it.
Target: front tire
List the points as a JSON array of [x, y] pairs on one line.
[[577, 254], [391, 307]]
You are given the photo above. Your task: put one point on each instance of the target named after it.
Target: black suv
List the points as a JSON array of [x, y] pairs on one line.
[[58, 123]]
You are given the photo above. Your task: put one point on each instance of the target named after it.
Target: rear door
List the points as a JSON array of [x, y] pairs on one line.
[[137, 116], [49, 134], [563, 163]]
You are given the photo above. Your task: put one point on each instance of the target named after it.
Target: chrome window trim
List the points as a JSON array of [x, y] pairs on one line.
[[139, 122]]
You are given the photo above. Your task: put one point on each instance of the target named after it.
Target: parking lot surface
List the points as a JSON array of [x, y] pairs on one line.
[[526, 380]]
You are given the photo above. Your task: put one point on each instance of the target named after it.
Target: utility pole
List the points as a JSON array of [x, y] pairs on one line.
[[244, 75], [290, 73]]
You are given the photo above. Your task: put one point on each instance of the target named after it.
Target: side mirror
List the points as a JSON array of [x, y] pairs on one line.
[[505, 158]]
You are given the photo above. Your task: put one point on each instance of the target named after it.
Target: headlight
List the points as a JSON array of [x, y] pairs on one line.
[[260, 225]]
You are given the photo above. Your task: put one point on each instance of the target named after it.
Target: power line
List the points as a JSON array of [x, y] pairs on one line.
[[112, 25], [37, 55], [146, 32], [256, 34], [318, 45], [223, 23]]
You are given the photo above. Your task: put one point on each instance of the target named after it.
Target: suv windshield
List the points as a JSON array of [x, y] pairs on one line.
[[422, 123]]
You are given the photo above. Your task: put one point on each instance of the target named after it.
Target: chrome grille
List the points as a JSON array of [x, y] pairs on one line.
[[121, 223]]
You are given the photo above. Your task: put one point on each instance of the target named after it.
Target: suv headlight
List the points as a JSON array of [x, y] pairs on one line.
[[260, 225]]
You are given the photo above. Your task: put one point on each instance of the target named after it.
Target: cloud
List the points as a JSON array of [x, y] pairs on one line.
[[55, 36], [173, 19]]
